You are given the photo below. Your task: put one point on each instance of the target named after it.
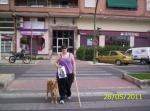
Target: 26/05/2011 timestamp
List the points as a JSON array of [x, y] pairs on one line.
[[122, 96]]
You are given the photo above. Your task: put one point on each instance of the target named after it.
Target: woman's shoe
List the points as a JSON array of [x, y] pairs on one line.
[[62, 102]]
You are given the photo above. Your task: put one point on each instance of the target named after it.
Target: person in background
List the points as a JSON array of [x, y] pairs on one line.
[[67, 60]]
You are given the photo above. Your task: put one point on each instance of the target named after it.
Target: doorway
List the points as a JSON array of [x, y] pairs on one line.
[[60, 42], [61, 37]]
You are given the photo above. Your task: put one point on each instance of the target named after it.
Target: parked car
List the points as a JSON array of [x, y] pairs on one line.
[[140, 54], [115, 57]]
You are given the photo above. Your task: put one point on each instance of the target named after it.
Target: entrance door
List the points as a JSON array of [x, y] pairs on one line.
[[60, 42]]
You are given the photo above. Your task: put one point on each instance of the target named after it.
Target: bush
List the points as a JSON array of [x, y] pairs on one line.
[[40, 58], [81, 53], [89, 54], [103, 50], [84, 53]]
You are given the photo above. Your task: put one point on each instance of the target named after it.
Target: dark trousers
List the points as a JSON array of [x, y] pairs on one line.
[[64, 86]]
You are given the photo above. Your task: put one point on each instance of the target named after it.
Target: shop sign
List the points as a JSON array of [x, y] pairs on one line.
[[129, 34]]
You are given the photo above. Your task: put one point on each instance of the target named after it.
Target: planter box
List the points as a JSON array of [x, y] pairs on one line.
[[138, 82]]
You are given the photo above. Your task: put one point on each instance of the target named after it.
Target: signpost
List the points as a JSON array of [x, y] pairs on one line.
[[94, 60]]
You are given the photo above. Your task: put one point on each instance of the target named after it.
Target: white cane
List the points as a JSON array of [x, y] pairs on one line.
[[77, 90]]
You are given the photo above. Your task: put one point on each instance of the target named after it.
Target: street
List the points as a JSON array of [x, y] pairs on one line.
[[28, 90]]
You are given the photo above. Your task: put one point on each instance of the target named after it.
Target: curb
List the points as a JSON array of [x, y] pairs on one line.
[[99, 64], [140, 83], [6, 79], [17, 63]]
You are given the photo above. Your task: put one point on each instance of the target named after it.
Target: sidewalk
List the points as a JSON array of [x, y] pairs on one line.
[[18, 62]]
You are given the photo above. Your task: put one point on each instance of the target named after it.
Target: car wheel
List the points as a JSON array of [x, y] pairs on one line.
[[118, 62], [143, 62]]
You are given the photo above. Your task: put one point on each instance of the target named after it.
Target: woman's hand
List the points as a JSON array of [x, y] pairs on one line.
[[59, 66]]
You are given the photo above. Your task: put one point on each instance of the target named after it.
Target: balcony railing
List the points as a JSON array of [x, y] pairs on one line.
[[48, 3]]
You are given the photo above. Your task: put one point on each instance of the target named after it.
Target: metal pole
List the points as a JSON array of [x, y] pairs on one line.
[[15, 34], [31, 38], [0, 47], [94, 31]]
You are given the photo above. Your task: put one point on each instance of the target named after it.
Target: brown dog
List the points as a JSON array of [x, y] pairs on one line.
[[53, 89]]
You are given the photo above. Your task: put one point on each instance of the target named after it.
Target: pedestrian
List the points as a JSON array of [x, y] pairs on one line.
[[65, 60]]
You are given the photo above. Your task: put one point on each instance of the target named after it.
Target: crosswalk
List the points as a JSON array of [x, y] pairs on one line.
[[29, 90]]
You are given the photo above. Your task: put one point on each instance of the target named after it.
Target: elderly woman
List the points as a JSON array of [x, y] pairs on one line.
[[66, 60]]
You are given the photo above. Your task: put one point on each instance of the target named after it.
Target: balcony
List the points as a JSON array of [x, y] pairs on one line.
[[48, 3]]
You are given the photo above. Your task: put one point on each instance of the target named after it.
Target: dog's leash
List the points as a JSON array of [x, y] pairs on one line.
[[78, 94]]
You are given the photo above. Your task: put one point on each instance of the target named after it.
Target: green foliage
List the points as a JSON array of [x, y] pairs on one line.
[[103, 50], [81, 53], [89, 54], [84, 53], [40, 58], [24, 40]]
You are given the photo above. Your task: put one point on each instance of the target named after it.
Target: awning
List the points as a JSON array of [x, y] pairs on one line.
[[122, 4]]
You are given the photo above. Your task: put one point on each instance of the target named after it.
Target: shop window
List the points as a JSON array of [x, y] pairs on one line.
[[6, 43], [89, 41], [117, 41], [42, 43], [25, 43]]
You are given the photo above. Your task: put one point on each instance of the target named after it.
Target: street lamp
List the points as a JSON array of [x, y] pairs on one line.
[[95, 30]]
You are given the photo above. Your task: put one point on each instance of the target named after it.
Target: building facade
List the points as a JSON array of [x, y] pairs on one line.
[[42, 26]]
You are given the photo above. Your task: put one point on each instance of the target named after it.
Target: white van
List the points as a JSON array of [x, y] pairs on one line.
[[140, 54]]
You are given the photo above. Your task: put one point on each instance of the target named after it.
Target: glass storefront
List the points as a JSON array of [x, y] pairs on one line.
[[117, 40], [61, 37]]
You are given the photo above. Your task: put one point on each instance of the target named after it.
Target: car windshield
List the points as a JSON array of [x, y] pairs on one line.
[[123, 52]]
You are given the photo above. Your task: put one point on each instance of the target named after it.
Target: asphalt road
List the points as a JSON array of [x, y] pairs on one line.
[[94, 70]]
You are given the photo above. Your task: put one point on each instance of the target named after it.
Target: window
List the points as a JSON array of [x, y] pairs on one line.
[[6, 43], [20, 2], [40, 19], [117, 41], [148, 5], [122, 4], [90, 3], [3, 1], [90, 41], [6, 24], [113, 53], [129, 52], [63, 3], [26, 19]]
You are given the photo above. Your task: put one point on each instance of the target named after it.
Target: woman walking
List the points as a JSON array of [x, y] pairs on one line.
[[65, 60]]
